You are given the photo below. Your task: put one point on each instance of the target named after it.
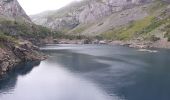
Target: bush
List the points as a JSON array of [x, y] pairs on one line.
[[4, 38]]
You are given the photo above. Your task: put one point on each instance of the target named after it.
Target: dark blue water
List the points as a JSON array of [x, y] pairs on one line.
[[90, 72]]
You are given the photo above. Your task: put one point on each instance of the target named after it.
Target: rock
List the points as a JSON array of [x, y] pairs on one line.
[[63, 41], [48, 40], [56, 41], [85, 41], [35, 48], [10, 54], [11, 9], [5, 66], [116, 43], [103, 42], [27, 52], [95, 41]]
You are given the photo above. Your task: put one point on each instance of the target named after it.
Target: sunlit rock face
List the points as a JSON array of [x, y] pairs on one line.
[[97, 9], [11, 9]]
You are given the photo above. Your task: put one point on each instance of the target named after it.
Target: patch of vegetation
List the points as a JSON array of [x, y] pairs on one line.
[[15, 28], [128, 32], [155, 22], [5, 38]]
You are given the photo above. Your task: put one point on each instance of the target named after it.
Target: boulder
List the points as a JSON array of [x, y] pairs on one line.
[[85, 41]]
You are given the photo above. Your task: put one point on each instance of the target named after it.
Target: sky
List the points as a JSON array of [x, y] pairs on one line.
[[32, 7]]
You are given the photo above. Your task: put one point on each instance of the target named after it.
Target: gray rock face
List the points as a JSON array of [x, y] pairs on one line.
[[115, 20], [89, 12], [65, 23], [96, 10], [11, 9]]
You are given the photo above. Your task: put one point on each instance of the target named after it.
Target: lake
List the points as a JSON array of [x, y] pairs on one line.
[[90, 72]]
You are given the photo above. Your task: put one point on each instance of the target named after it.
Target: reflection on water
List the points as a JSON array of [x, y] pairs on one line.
[[91, 72], [54, 83], [8, 82]]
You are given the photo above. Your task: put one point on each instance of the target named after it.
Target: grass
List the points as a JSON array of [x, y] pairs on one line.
[[129, 31], [5, 38]]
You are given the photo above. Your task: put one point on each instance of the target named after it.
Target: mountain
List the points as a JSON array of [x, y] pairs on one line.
[[139, 20]]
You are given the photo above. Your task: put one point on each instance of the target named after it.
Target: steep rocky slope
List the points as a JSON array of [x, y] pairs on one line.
[[86, 11]]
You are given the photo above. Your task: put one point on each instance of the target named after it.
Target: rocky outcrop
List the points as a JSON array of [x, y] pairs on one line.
[[6, 61], [12, 10], [12, 54]]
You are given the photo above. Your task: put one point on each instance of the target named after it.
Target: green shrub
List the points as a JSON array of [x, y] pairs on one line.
[[4, 38]]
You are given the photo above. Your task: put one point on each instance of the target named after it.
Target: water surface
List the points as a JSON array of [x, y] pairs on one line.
[[90, 72]]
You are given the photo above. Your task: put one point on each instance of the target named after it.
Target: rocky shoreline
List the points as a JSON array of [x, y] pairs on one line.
[[12, 54], [144, 44], [133, 44]]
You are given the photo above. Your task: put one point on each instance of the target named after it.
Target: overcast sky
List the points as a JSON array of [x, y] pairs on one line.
[[37, 6]]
